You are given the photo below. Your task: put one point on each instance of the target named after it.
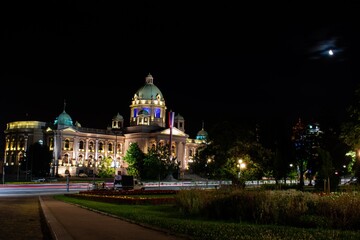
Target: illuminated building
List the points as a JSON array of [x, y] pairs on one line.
[[78, 149]]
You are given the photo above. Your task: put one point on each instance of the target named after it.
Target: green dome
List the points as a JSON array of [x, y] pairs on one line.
[[149, 90], [202, 135], [64, 119]]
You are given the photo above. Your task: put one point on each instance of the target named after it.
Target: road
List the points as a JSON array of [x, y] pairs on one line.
[[11, 190], [32, 189]]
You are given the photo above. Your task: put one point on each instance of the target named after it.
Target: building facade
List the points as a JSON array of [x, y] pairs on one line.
[[78, 149]]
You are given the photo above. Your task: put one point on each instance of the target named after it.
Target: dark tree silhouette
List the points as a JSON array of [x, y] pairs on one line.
[[38, 159]]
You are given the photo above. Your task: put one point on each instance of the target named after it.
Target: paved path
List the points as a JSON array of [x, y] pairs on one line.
[[21, 219], [70, 222]]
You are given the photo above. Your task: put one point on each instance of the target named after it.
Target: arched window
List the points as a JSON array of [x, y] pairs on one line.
[[22, 144], [157, 112], [80, 159], [67, 144], [81, 145], [101, 146], [13, 143], [110, 148], [91, 146]]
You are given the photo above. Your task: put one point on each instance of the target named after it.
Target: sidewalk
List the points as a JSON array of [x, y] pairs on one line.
[[70, 222]]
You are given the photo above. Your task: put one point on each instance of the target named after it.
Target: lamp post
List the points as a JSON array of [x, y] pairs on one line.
[[115, 150], [3, 174], [67, 182], [240, 165], [18, 171]]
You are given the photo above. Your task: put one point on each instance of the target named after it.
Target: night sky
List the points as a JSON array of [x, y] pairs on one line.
[[260, 63]]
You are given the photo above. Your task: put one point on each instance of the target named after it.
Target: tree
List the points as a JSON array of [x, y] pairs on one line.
[[229, 143], [280, 165], [38, 159], [157, 164], [203, 162], [135, 159], [326, 170], [105, 170], [350, 129], [168, 162]]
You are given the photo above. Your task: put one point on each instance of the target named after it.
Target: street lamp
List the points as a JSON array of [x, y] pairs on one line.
[[18, 170], [3, 173], [241, 165]]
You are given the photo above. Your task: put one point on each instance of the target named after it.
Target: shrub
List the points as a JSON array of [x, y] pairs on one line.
[[192, 201]]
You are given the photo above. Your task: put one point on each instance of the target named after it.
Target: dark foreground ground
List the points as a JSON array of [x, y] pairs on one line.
[[22, 218]]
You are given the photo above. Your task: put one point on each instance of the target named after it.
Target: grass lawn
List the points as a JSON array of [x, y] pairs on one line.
[[168, 217]]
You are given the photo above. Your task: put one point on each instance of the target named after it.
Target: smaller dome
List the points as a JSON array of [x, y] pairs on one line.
[[144, 112], [64, 119], [179, 117], [202, 134], [118, 117]]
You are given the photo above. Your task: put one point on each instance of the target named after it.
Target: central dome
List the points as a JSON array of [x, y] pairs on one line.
[[149, 91]]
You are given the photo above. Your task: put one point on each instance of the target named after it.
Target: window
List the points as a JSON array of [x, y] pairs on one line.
[[13, 143], [81, 145], [91, 146], [67, 144], [22, 144], [157, 112]]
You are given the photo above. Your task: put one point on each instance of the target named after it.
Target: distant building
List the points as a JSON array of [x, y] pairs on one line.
[[78, 149], [307, 139]]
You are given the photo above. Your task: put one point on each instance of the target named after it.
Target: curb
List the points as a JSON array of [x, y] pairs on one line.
[[58, 232]]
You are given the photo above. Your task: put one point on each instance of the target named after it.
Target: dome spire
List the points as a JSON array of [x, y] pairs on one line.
[[149, 79], [64, 104]]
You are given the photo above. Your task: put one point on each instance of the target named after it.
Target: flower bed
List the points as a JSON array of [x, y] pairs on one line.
[[127, 197], [129, 192]]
